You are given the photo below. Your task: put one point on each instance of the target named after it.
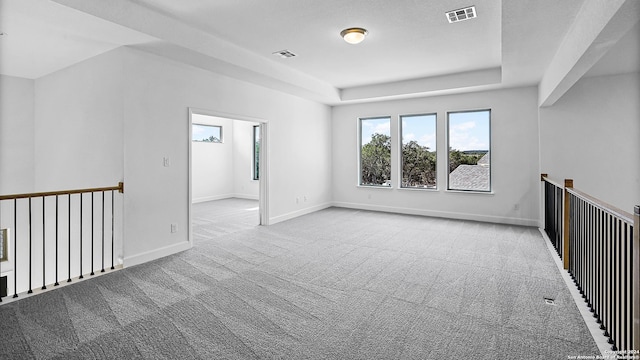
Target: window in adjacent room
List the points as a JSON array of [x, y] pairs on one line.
[[4, 242], [375, 151], [418, 153], [206, 133], [256, 152], [469, 150]]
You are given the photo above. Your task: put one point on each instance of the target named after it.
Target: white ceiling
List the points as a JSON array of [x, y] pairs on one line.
[[411, 49], [42, 37], [407, 39]]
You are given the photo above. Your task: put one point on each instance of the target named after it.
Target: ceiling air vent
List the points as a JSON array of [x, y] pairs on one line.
[[284, 54], [461, 14]]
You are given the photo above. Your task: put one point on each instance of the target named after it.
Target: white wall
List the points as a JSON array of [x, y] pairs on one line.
[[223, 170], [17, 96], [514, 159], [78, 125], [212, 168], [591, 136], [244, 185], [157, 95], [78, 140], [16, 155], [66, 133]]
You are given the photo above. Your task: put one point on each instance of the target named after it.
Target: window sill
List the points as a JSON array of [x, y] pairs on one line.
[[418, 189], [374, 187], [470, 192]]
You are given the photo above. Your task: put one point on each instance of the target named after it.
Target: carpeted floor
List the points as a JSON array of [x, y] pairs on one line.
[[335, 284]]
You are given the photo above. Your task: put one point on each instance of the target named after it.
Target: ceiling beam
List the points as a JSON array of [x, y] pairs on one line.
[[424, 86], [188, 44], [599, 25]]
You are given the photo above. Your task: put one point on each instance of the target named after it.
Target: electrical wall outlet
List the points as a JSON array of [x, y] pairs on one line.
[[165, 162], [174, 228]]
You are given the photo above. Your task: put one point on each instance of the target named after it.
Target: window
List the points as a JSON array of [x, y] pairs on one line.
[[418, 151], [256, 152], [206, 133], [4, 242], [375, 151], [469, 150]]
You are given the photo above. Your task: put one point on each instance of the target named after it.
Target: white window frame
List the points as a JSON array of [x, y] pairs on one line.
[[212, 126], [489, 154], [359, 182], [256, 160], [400, 145]]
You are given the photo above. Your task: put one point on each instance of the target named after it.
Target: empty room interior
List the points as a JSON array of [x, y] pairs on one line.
[[253, 179]]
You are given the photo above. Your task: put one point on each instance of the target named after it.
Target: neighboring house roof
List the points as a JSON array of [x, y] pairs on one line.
[[484, 161], [470, 177]]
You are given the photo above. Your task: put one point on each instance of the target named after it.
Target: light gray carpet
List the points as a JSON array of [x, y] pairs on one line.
[[335, 284]]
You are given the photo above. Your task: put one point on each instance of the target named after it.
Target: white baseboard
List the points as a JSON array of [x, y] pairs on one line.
[[246, 196], [441, 214], [226, 196], [155, 254], [211, 198], [295, 214], [590, 321]]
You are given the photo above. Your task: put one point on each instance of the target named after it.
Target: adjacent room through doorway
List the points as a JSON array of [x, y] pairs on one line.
[[225, 176]]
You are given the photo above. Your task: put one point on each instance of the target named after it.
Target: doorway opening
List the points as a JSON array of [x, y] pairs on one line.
[[227, 173]]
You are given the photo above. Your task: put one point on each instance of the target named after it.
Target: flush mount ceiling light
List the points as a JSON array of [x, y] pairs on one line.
[[353, 35]]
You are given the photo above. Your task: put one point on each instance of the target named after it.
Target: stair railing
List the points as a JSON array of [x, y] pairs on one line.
[[600, 250], [60, 234]]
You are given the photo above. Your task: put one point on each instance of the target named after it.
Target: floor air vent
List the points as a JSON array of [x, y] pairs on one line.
[[549, 301], [461, 14]]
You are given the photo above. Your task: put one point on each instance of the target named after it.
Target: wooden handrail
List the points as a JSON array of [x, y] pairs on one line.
[[120, 189], [545, 177], [621, 214]]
